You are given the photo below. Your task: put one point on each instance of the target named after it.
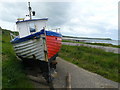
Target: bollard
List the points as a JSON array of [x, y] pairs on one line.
[[68, 81]]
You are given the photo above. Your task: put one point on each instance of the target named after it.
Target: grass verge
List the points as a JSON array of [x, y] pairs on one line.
[[13, 75], [92, 59]]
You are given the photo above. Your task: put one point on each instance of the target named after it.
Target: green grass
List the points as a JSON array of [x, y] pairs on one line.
[[0, 59], [13, 75], [101, 44], [92, 59]]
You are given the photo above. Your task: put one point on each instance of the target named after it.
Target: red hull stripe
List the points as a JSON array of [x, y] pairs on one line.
[[53, 45]]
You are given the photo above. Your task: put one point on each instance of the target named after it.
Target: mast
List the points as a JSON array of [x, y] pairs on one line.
[[30, 9]]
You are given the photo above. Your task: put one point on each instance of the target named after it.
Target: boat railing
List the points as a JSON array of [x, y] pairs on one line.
[[12, 36], [56, 30]]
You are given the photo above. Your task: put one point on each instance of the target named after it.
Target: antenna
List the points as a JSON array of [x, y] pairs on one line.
[[30, 9]]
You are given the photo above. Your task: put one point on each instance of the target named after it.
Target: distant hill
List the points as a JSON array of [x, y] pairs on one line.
[[5, 34], [5, 31], [87, 38]]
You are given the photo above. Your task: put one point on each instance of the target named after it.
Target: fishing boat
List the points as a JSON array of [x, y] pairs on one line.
[[36, 43]]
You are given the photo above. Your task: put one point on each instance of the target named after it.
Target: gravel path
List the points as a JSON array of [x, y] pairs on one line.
[[80, 78], [107, 49]]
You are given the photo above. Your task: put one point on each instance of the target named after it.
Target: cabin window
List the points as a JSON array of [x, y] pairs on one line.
[[32, 28]]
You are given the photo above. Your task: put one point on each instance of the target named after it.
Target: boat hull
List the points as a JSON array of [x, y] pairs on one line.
[[33, 46], [31, 49]]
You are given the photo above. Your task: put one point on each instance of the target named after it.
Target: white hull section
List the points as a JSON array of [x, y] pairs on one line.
[[33, 48]]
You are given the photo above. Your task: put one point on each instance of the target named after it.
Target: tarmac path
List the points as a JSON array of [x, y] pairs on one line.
[[80, 78]]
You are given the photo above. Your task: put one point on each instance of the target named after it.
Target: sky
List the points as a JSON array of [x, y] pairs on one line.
[[84, 18]]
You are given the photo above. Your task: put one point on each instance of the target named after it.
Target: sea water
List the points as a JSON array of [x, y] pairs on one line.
[[114, 42]]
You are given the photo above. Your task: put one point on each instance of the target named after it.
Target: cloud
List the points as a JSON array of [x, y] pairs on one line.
[[10, 11], [89, 18], [97, 18], [57, 13]]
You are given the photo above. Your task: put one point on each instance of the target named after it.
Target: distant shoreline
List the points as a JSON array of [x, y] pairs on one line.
[[87, 38], [91, 43]]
